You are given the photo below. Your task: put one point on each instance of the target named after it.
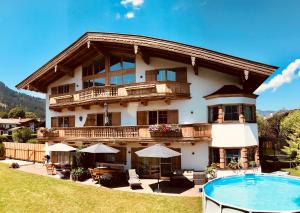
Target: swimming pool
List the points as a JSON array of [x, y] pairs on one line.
[[252, 193]]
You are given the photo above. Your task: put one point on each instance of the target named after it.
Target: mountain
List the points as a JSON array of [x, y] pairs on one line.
[[10, 98], [265, 113]]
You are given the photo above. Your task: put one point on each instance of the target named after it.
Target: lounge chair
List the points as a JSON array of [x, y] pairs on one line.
[[134, 180]]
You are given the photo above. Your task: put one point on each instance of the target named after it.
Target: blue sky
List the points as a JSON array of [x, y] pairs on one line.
[[32, 32]]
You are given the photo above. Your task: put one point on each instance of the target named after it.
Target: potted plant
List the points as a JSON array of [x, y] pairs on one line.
[[211, 171], [79, 174], [234, 164]]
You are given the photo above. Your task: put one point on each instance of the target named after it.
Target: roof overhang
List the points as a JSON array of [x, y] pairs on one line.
[[94, 43]]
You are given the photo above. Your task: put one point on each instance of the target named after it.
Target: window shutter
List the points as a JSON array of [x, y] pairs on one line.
[[71, 121], [116, 118], [181, 75], [71, 88], [54, 122], [172, 116], [142, 117], [151, 75], [90, 120]]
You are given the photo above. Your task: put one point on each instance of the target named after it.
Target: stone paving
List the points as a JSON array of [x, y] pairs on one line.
[[148, 185]]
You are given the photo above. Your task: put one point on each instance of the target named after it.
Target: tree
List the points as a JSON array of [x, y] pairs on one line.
[[293, 147], [30, 115], [289, 123], [16, 112], [3, 115], [22, 135]]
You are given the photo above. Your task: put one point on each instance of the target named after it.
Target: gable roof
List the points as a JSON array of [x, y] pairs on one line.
[[229, 91], [202, 56], [17, 121]]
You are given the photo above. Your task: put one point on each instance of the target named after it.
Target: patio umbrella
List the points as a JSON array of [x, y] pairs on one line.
[[60, 147], [157, 151], [100, 148]]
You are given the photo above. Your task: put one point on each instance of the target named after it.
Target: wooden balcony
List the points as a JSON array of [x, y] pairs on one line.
[[144, 91], [188, 132]]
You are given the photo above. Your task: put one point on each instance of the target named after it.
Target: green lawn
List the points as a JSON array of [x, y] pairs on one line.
[[293, 172], [23, 192]]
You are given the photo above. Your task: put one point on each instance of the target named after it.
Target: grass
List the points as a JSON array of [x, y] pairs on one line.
[[24, 192], [293, 171]]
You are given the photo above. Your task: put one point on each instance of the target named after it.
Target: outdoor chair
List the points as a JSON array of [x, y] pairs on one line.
[[134, 180], [95, 176], [50, 169]]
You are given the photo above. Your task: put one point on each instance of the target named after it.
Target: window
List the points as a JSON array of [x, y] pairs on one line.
[[99, 82], [249, 113], [88, 83], [124, 70], [87, 70], [66, 121], [99, 67], [162, 117], [63, 89], [232, 154], [214, 155], [231, 113], [166, 75], [152, 117], [213, 114], [128, 78], [251, 154]]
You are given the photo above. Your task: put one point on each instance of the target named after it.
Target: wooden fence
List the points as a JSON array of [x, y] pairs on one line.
[[25, 151]]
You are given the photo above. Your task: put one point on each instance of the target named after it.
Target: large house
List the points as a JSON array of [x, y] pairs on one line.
[[112, 88]]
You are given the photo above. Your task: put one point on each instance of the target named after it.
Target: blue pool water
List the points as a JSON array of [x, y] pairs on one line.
[[256, 192]]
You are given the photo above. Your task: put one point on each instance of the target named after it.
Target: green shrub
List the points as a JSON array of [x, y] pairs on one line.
[[79, 174], [2, 151], [34, 141], [34, 135], [3, 138], [22, 135]]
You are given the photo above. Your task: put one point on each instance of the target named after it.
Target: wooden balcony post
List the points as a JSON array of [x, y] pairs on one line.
[[220, 114], [244, 157]]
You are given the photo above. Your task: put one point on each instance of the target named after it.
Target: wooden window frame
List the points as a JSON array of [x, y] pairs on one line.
[[231, 121], [70, 90], [209, 115], [176, 69], [63, 117], [157, 118]]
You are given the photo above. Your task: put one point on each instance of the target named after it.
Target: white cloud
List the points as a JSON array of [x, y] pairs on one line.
[[118, 16], [134, 3], [291, 72], [129, 15]]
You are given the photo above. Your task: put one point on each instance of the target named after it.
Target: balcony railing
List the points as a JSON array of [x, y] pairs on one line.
[[138, 132], [160, 89]]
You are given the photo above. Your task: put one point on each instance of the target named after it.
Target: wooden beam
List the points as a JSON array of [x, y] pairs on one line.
[[195, 68], [123, 104], [145, 103], [143, 53], [87, 107], [71, 108], [100, 50], [66, 70], [168, 101]]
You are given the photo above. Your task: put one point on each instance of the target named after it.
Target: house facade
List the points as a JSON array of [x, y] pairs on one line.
[[7, 125], [132, 91]]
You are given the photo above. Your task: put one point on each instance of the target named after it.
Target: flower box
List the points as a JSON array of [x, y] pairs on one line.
[[164, 130]]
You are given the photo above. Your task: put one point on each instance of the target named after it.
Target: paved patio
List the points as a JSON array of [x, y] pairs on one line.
[[148, 185]]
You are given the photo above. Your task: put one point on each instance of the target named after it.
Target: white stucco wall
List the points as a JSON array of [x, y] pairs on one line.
[[193, 110], [234, 135], [230, 100]]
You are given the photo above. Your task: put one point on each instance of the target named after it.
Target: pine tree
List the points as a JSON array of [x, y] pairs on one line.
[[293, 148]]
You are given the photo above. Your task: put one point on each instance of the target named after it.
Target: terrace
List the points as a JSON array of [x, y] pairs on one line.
[[186, 132], [144, 91]]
